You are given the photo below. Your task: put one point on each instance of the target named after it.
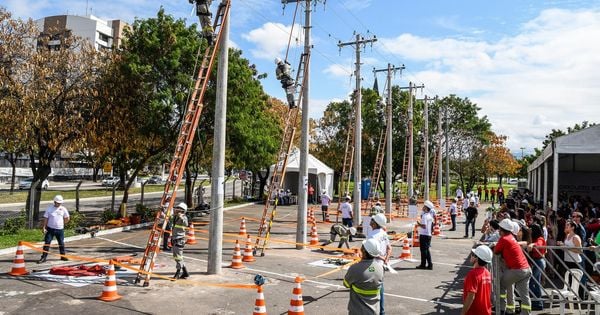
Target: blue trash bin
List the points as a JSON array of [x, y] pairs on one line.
[[365, 187]]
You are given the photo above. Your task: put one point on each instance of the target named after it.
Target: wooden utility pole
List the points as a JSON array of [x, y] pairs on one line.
[[358, 44]]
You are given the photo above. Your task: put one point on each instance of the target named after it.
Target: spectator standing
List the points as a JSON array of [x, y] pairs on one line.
[[493, 195], [453, 214], [477, 287], [425, 224], [325, 201], [471, 213], [573, 242], [311, 194], [53, 225], [516, 271], [486, 193], [538, 250], [364, 280], [479, 189]]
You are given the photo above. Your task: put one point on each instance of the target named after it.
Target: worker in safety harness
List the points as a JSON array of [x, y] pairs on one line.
[[343, 231], [364, 280], [283, 74], [180, 224], [203, 13]]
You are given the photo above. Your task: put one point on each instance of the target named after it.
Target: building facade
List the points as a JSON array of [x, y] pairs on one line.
[[102, 34]]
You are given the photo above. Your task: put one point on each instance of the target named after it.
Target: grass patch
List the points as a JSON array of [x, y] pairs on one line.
[[47, 195], [26, 235]]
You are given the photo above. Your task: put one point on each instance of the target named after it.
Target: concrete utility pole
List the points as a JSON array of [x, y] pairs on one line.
[[358, 44], [426, 147], [388, 154], [410, 141], [439, 151], [447, 175], [301, 229], [215, 242]]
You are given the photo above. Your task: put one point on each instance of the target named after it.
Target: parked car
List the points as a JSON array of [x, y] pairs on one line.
[[155, 180], [111, 181], [26, 183], [512, 181]]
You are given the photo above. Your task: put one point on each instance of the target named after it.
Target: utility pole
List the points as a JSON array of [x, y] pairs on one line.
[[388, 155], [217, 193], [447, 175], [439, 151], [426, 147], [410, 142], [358, 44]]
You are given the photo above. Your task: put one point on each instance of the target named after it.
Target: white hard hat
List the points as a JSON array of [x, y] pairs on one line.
[[277, 60], [506, 225], [182, 206], [372, 247], [524, 201], [483, 252], [352, 230], [472, 200], [380, 219], [428, 204], [58, 199], [515, 228]]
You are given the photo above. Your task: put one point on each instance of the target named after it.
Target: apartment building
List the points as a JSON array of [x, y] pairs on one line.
[[103, 34]]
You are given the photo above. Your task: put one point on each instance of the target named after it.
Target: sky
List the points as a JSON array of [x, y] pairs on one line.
[[530, 65]]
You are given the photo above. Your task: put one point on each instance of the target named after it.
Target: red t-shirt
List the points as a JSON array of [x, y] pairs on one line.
[[538, 252], [511, 252], [479, 281]]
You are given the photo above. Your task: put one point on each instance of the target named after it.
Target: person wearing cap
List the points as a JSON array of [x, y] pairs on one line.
[[346, 211], [364, 280], [477, 286], [453, 214], [516, 271], [325, 201], [344, 233], [425, 224], [56, 217], [180, 225], [471, 213], [379, 233]]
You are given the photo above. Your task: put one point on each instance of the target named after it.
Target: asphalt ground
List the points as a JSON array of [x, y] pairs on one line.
[[408, 291]]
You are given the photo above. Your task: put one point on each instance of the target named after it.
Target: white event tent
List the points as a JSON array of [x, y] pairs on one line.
[[320, 176]]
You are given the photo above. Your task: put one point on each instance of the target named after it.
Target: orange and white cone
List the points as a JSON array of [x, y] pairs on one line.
[[314, 237], [436, 230], [191, 237], [248, 256], [243, 227], [18, 268], [415, 237], [236, 261], [296, 303], [405, 250], [109, 292], [260, 305]]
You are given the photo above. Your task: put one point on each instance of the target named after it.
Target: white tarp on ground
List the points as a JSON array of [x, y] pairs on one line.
[[317, 170], [578, 159]]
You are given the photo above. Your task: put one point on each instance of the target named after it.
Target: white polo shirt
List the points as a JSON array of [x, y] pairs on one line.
[[56, 216], [426, 219]]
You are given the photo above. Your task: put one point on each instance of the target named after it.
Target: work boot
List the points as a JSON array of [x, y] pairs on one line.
[[42, 259], [185, 274], [177, 275]]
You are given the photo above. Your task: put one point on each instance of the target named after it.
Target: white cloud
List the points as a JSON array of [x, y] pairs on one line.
[[542, 78], [271, 39]]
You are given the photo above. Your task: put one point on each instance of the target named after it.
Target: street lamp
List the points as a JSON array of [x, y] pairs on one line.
[[522, 155]]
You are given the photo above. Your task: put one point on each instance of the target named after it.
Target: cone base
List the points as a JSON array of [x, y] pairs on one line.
[[18, 272], [114, 297], [249, 259], [236, 267]]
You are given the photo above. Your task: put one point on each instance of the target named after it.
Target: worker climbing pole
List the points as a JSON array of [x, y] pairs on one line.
[[184, 143]]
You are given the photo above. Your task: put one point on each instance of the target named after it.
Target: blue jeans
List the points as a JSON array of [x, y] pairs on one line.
[[424, 244], [453, 217], [472, 224], [348, 222], [535, 287], [381, 310], [60, 237]]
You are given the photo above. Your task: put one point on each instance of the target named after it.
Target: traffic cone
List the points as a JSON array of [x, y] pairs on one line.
[[243, 227], [415, 237], [236, 261], [191, 237], [314, 237], [296, 303], [248, 256], [436, 230], [260, 305], [18, 268], [109, 292], [405, 250]]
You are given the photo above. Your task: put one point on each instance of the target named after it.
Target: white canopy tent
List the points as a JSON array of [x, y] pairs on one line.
[[320, 176], [575, 158]]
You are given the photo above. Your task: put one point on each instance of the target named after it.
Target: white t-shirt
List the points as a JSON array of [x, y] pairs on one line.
[[366, 225], [453, 208], [56, 217], [325, 199], [346, 209], [380, 235], [426, 219]]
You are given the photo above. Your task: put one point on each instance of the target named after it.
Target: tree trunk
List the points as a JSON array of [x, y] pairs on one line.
[[263, 183], [188, 186], [13, 165], [40, 174]]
